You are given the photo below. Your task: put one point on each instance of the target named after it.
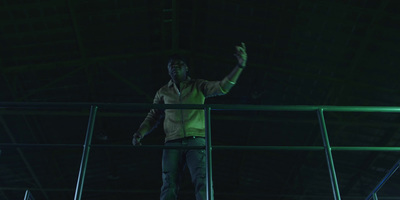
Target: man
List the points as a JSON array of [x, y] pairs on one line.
[[184, 126]]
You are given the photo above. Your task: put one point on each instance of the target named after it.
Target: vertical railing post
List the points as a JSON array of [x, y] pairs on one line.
[[209, 190], [389, 174], [85, 154], [28, 195], [375, 196], [328, 154]]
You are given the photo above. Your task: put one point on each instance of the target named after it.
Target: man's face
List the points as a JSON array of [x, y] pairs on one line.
[[177, 69]]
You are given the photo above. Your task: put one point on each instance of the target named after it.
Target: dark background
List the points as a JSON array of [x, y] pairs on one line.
[[300, 52]]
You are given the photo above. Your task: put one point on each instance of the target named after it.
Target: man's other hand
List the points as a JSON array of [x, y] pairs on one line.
[[136, 139]]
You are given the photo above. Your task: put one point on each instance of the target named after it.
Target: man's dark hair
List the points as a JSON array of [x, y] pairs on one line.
[[176, 57]]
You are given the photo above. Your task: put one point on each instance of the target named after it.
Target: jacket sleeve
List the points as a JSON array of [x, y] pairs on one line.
[[213, 88], [153, 118]]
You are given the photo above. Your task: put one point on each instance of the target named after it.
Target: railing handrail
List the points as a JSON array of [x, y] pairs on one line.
[[207, 107], [215, 147], [248, 107]]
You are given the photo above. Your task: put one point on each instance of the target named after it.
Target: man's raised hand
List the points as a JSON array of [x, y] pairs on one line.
[[241, 54]]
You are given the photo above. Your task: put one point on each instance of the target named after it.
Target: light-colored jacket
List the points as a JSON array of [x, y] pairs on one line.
[[181, 123]]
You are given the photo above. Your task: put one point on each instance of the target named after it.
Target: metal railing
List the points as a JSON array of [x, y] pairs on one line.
[[374, 192], [207, 109], [28, 195]]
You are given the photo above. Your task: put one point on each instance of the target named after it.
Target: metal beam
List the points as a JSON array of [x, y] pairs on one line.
[[34, 91], [194, 33], [164, 22], [81, 47], [363, 46], [133, 86], [79, 62], [60, 17], [26, 5], [75, 27], [23, 157], [273, 69], [175, 26], [3, 195]]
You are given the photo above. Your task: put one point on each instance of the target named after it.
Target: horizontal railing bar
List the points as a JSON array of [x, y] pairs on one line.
[[220, 193], [290, 148], [129, 106], [19, 145], [114, 106], [70, 113], [35, 105], [308, 148], [365, 148], [22, 145], [304, 108], [148, 191], [148, 146], [185, 191], [216, 147]]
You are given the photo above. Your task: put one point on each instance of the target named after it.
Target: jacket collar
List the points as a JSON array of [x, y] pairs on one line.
[[171, 82]]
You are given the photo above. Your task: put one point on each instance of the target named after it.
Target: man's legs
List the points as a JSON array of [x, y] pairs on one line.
[[196, 162], [172, 167]]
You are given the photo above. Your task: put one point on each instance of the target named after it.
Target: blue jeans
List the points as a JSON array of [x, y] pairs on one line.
[[174, 162]]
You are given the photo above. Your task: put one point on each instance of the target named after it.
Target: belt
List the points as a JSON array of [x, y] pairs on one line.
[[193, 137], [188, 137]]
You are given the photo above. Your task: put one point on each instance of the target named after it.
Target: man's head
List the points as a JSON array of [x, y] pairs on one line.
[[177, 68]]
